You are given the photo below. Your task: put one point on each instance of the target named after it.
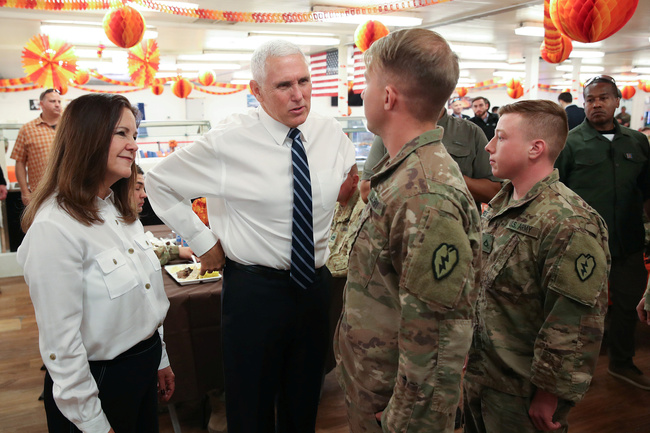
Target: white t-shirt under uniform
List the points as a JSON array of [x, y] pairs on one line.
[[97, 291], [243, 167]]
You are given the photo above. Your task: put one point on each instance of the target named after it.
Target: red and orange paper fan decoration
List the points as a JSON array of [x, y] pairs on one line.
[[556, 47], [628, 92], [207, 77], [199, 206], [367, 33], [515, 89], [124, 26], [49, 62], [157, 89], [182, 87], [144, 60], [462, 91], [82, 77], [591, 20]]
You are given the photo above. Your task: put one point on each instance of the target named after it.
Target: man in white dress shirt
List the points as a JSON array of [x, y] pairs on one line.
[[274, 333]]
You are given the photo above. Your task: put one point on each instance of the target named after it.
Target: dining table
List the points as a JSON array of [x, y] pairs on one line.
[[192, 333]]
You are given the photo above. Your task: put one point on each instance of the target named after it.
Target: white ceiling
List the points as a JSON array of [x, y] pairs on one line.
[[489, 22]]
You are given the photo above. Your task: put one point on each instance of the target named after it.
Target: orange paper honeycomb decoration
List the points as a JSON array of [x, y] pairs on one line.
[[82, 77], [207, 77], [157, 89], [369, 32], [462, 91], [591, 20], [182, 87], [124, 26], [628, 92]]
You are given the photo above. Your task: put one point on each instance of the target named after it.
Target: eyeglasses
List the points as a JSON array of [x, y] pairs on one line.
[[598, 78], [52, 90], [601, 79]]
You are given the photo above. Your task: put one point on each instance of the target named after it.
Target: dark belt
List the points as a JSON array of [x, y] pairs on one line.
[[263, 271]]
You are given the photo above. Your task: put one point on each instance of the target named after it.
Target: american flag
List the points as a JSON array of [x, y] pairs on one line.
[[325, 73], [359, 69]]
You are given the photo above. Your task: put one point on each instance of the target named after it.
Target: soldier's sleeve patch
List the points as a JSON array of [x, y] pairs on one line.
[[439, 259], [445, 259], [581, 272]]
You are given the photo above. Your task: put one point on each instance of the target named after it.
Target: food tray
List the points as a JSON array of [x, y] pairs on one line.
[[172, 269]]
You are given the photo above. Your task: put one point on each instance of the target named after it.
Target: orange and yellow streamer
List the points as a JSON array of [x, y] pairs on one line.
[[219, 15]]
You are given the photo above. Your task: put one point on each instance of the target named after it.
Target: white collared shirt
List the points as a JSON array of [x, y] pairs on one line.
[[97, 291], [243, 167]]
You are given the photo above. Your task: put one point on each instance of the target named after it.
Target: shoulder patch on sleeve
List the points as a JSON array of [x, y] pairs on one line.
[[439, 259], [581, 272]]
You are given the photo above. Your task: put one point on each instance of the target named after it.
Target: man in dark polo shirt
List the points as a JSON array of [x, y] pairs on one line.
[[607, 165], [483, 118]]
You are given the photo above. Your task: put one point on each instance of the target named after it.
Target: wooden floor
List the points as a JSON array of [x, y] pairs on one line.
[[609, 407]]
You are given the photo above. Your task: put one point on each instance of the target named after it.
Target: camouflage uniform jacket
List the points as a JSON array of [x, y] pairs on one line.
[[166, 253], [543, 293], [412, 287], [344, 227]]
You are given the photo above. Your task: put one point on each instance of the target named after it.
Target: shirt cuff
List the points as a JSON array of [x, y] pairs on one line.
[[97, 425]]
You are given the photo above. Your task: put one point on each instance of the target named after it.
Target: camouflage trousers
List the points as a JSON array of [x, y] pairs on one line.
[[490, 411], [359, 420]]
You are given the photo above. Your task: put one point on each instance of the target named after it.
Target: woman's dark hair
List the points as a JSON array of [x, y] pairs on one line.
[[77, 163]]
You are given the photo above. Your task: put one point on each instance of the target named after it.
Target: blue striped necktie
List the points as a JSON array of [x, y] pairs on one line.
[[303, 269]]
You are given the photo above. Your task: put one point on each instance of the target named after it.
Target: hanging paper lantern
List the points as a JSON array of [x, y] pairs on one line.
[[369, 32], [558, 56], [462, 91], [516, 93], [49, 62], [144, 60], [628, 92], [157, 89], [124, 26], [100, 50], [644, 85], [82, 77], [207, 77], [591, 20], [199, 206], [556, 47], [182, 87], [515, 89]]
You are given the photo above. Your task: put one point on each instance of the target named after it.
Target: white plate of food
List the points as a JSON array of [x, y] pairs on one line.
[[188, 273]]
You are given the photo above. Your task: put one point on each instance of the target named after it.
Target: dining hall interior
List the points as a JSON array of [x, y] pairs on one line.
[[198, 66]]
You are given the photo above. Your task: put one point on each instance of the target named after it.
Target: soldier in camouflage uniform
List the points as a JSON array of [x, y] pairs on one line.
[[342, 234], [544, 276], [344, 225], [413, 273]]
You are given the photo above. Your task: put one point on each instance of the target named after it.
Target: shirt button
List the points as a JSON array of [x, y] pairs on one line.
[[131, 251], [147, 286], [52, 356], [115, 261]]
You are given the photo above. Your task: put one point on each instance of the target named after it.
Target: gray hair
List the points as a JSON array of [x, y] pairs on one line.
[[274, 48]]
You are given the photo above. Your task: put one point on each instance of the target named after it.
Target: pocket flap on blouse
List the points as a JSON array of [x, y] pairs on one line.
[[110, 260], [143, 241]]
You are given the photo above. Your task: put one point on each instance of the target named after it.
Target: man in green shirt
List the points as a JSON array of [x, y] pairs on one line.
[[465, 142], [607, 165]]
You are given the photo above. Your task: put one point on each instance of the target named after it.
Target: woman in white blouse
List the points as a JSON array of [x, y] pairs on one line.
[[94, 278]]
